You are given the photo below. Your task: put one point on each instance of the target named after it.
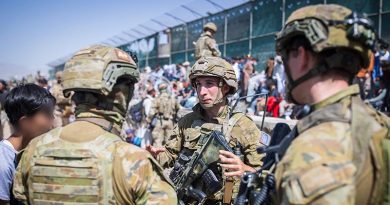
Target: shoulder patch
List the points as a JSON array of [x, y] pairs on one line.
[[122, 55], [310, 184]]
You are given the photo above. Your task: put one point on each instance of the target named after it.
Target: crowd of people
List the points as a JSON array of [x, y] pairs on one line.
[[264, 84]]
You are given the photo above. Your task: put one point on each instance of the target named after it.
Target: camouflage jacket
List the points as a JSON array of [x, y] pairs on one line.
[[332, 160], [189, 129], [206, 46], [44, 175], [164, 107], [61, 101]]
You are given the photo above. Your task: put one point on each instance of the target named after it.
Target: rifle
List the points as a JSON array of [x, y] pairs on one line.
[[252, 188], [197, 177], [254, 95], [255, 188]]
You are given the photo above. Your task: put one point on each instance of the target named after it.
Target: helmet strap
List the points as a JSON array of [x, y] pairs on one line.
[[317, 70], [220, 98]]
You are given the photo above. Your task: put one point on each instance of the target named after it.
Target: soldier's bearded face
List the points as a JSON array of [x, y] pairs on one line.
[[208, 90]]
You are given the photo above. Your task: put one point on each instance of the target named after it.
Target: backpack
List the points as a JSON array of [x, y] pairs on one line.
[[137, 111], [167, 106]]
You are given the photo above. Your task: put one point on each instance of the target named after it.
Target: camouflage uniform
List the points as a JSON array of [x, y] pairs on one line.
[[63, 108], [206, 44], [337, 157], [164, 109], [193, 126], [5, 126], [75, 164]]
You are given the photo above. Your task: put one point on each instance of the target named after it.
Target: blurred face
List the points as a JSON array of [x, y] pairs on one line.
[[37, 124], [208, 91]]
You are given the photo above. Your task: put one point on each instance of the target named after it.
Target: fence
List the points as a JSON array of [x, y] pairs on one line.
[[247, 29]]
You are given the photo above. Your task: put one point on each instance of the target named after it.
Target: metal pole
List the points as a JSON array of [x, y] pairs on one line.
[[225, 35], [186, 54], [380, 18], [250, 32], [175, 17], [283, 12], [135, 30], [159, 23], [122, 39], [170, 47], [129, 34], [147, 59], [147, 28], [265, 111], [191, 10], [215, 4]]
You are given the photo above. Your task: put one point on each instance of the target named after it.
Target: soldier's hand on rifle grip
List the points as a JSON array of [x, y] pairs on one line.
[[233, 164]]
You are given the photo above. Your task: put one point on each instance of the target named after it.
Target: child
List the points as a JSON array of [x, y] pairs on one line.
[[30, 111]]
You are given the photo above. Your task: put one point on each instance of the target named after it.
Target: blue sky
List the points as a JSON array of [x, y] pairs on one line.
[[36, 32]]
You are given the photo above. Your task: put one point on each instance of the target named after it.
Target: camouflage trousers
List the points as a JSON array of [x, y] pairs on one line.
[[161, 132]]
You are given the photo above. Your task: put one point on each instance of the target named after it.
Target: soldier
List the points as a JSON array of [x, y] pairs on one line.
[[337, 157], [164, 110], [63, 108], [5, 126], [214, 79], [75, 164], [206, 44]]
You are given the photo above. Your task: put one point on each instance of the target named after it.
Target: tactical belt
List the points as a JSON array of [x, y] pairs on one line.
[[161, 116]]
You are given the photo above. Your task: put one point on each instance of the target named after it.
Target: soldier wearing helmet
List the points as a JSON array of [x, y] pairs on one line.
[[337, 156], [63, 109], [163, 113], [214, 79], [86, 161], [206, 44]]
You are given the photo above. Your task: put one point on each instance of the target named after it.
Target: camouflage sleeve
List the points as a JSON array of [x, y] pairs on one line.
[[19, 190], [249, 136], [213, 46], [316, 171], [20, 187], [153, 110], [173, 146], [143, 178]]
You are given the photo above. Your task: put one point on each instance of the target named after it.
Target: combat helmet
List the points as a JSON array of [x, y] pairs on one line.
[[97, 69], [211, 26], [345, 38], [330, 27], [102, 79], [215, 67]]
